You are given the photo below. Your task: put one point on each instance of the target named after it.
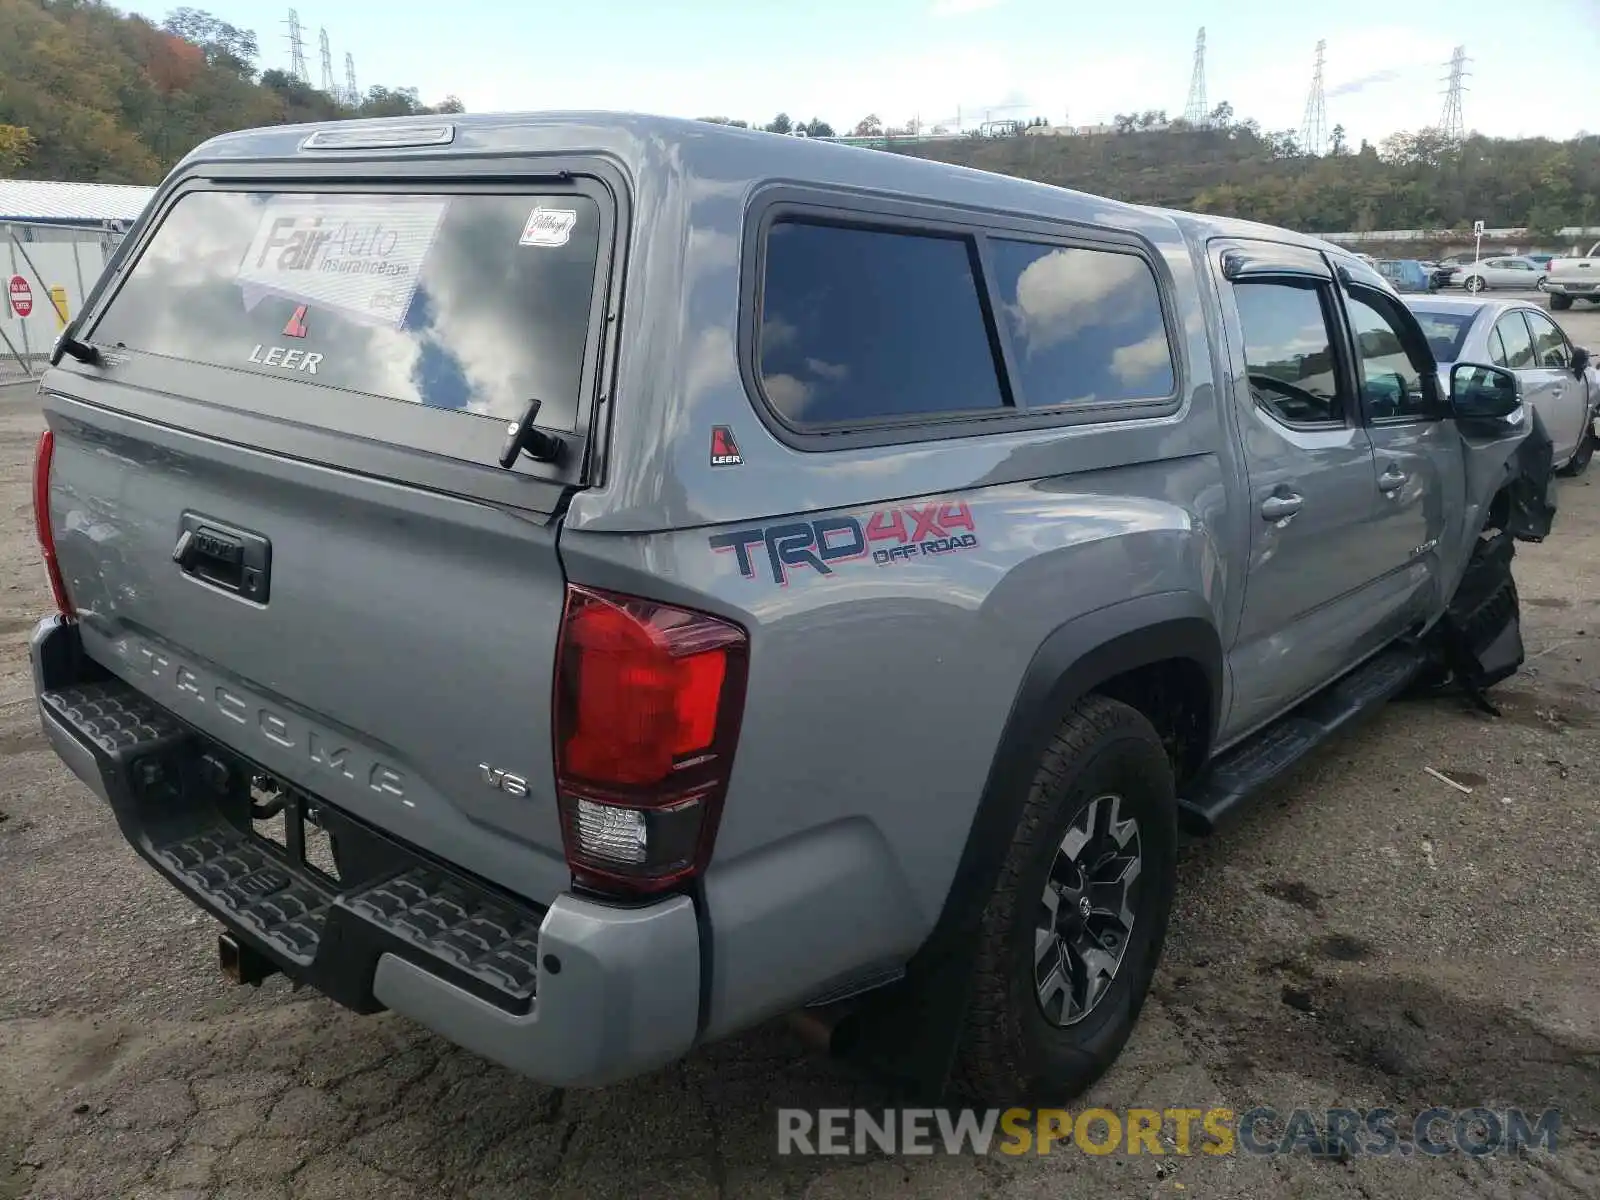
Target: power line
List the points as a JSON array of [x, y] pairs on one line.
[[1196, 112], [1314, 129], [297, 49], [1451, 123]]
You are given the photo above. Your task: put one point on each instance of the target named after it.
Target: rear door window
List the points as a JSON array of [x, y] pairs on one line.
[[1516, 342], [1549, 344], [469, 303]]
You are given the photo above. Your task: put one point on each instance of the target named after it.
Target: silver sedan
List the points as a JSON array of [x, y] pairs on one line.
[[1509, 271], [1557, 380]]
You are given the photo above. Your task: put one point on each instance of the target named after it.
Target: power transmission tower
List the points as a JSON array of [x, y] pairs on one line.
[[1196, 112], [352, 94], [297, 49], [1314, 129], [328, 85], [1451, 123]]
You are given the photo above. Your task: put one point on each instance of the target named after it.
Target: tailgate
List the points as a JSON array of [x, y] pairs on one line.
[[263, 499]]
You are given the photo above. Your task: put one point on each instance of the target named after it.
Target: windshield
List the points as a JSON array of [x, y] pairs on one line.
[[1446, 332], [474, 303]]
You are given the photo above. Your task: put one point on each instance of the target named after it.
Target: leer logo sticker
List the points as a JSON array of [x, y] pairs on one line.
[[724, 450]]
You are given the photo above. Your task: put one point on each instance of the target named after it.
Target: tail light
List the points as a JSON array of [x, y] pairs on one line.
[[41, 521], [646, 717]]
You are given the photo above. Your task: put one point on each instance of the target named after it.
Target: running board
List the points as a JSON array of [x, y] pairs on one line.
[[1248, 767]]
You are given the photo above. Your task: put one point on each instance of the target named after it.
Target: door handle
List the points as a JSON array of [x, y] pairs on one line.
[[1392, 480], [1276, 508]]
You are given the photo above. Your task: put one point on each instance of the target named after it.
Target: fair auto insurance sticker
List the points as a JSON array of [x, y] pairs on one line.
[[359, 257]]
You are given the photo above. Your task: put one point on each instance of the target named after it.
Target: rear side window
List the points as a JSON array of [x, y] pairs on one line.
[[1086, 325], [1446, 333], [474, 303], [1288, 350], [868, 325]]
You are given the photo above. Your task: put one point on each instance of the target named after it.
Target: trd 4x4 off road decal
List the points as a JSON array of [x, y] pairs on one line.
[[890, 535]]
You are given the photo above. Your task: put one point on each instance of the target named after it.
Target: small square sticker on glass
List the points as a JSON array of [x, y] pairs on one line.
[[549, 226]]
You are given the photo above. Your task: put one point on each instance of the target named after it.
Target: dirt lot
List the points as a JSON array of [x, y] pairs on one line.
[[1370, 936]]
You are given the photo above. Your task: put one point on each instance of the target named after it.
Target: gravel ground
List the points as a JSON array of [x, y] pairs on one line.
[[1369, 936]]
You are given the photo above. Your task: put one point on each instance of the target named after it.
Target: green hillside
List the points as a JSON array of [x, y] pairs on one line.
[[88, 93], [1411, 181]]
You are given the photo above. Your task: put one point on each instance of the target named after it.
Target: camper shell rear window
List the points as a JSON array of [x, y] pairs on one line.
[[470, 303]]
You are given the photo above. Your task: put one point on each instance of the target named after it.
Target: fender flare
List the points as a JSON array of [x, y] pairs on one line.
[[917, 1041]]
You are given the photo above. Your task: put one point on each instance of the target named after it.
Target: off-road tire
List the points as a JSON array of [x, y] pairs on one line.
[[1009, 1052], [1558, 303], [1581, 457]]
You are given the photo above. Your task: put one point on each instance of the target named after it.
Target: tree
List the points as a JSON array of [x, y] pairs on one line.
[[779, 124], [450, 104], [869, 126], [225, 46], [16, 144], [1338, 145], [817, 127], [1221, 116]]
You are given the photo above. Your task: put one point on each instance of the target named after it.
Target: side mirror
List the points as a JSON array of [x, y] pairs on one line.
[[1483, 393], [1580, 361]]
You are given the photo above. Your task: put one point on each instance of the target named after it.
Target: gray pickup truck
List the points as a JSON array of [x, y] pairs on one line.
[[594, 583]]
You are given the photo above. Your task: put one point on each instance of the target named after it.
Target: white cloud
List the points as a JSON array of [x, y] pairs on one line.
[[1137, 363]]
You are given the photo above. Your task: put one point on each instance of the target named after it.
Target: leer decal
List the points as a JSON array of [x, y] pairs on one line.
[[889, 536], [724, 450]]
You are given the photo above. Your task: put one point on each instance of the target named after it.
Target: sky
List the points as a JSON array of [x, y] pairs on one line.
[[1534, 65]]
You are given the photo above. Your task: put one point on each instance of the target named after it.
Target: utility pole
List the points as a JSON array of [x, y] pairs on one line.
[[1451, 123], [1196, 112], [297, 49], [328, 85], [352, 94], [1314, 129]]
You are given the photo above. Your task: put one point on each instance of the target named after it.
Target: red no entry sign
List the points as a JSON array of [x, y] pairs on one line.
[[21, 296]]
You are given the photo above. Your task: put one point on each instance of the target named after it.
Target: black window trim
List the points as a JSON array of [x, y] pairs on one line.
[[1413, 341], [1322, 287], [411, 461], [865, 210]]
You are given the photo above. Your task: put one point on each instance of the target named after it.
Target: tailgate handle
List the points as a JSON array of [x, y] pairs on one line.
[[234, 560]]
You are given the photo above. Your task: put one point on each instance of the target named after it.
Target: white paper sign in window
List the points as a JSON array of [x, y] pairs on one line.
[[360, 258]]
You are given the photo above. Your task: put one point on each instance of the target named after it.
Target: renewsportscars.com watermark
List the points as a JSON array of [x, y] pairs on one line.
[[1321, 1133]]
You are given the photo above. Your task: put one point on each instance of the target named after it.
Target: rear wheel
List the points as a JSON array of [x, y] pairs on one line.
[[1073, 930], [1474, 283], [1559, 303]]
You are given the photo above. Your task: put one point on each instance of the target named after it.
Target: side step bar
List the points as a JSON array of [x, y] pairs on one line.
[[1248, 767]]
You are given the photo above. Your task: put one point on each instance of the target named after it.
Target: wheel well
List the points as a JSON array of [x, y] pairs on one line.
[[1175, 696]]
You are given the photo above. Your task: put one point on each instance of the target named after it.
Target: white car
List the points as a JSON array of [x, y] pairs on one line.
[[1512, 271]]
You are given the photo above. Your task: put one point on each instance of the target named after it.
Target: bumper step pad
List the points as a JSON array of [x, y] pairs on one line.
[[329, 934], [489, 941]]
